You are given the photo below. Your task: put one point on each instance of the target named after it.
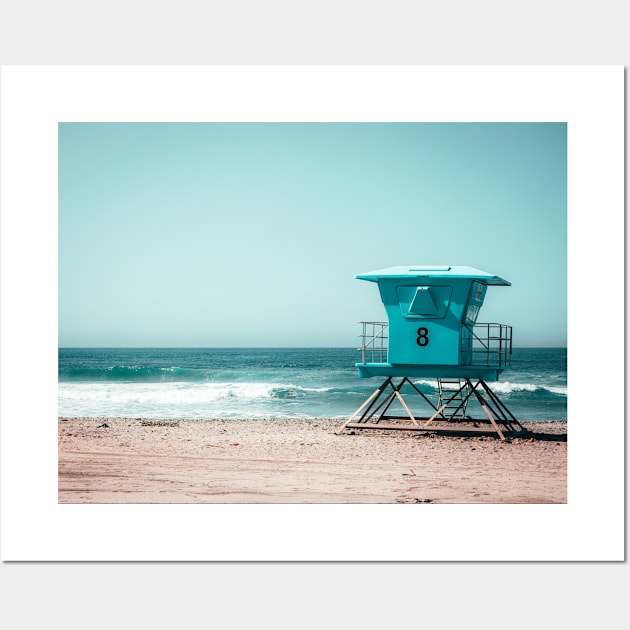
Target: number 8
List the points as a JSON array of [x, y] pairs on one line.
[[423, 337]]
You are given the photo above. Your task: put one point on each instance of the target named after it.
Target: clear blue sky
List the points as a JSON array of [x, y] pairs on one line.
[[230, 234]]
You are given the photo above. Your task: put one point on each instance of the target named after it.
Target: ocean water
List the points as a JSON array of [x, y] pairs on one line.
[[269, 383]]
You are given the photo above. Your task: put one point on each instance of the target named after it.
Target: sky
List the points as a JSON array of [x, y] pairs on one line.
[[250, 234]]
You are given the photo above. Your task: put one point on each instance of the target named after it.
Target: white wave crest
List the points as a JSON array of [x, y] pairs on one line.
[[176, 393], [504, 387], [427, 382], [507, 388]]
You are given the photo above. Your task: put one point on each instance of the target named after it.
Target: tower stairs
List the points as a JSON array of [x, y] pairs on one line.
[[454, 395]]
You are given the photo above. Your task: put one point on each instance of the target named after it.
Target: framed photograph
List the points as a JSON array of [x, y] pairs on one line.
[[186, 253]]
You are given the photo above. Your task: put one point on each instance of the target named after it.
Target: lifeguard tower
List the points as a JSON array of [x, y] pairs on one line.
[[432, 333]]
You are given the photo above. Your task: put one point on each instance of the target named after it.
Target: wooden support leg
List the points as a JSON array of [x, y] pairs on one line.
[[363, 406], [500, 406], [402, 402], [435, 415], [494, 424]]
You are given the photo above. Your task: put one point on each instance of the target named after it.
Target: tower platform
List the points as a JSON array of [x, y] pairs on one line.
[[488, 374]]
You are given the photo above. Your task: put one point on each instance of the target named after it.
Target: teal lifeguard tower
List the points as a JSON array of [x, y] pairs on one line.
[[432, 332]]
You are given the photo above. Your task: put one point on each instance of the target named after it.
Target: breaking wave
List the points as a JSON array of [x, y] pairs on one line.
[[505, 387], [181, 393]]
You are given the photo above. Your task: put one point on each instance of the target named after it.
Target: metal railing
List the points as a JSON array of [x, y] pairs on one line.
[[374, 342], [487, 344]]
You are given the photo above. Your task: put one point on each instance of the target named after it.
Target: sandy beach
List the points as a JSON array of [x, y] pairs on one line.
[[118, 460]]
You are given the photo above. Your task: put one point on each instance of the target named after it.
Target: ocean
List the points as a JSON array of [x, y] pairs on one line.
[[233, 383]]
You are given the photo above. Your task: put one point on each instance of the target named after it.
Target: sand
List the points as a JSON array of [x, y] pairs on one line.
[[118, 460]]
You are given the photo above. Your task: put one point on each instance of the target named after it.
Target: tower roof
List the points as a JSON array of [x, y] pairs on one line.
[[434, 271]]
